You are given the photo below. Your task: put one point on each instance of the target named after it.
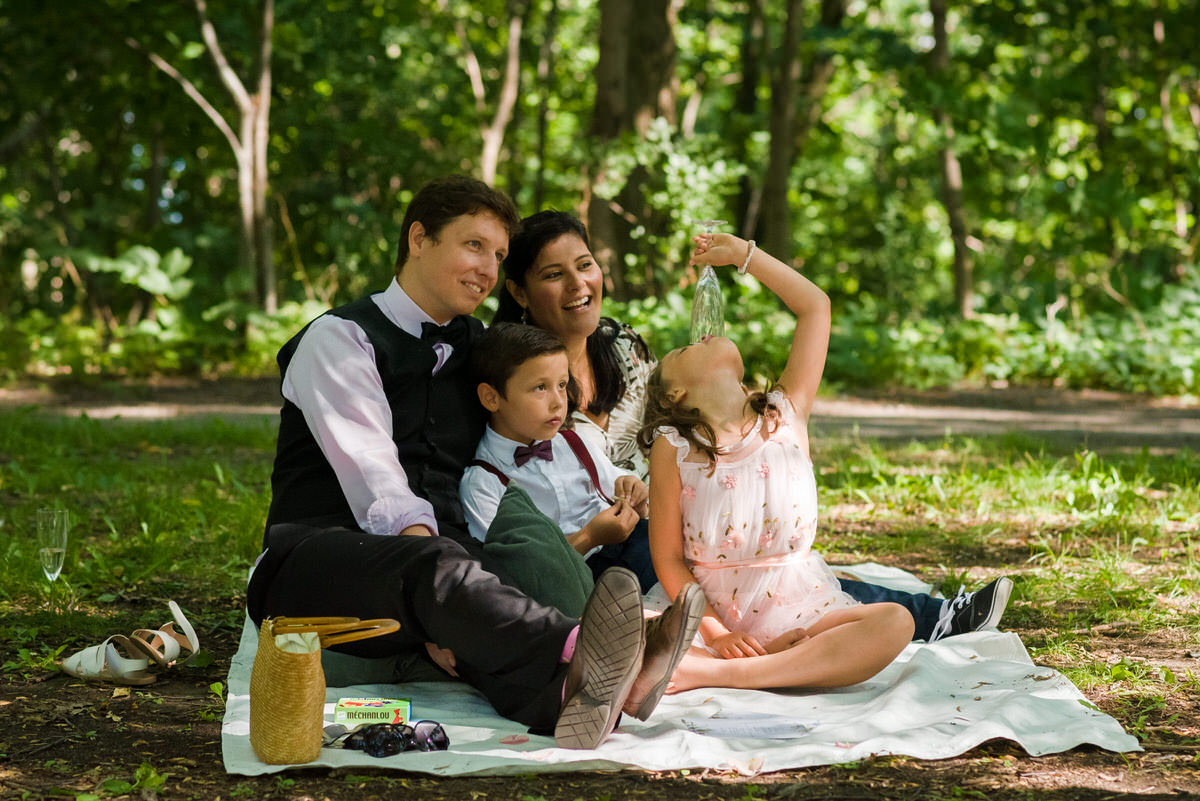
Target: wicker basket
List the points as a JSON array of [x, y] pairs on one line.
[[287, 685]]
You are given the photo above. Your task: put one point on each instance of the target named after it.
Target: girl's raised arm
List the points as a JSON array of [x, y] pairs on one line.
[[810, 342]]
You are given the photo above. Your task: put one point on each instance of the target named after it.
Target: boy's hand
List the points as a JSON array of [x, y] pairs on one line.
[[737, 644], [612, 525], [633, 491]]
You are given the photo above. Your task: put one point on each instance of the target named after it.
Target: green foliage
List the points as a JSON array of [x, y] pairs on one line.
[[1072, 123]]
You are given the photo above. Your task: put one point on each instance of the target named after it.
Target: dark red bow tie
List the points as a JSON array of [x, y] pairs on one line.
[[541, 450]]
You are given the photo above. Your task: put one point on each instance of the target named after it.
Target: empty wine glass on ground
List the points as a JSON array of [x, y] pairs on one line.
[[708, 304], [52, 527]]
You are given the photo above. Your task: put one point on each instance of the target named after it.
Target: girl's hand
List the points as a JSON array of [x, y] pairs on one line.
[[787, 640], [737, 644], [719, 250]]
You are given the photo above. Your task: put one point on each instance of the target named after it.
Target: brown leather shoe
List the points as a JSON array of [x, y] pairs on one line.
[[668, 637], [608, 654]]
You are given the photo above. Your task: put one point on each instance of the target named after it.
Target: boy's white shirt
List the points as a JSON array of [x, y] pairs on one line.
[[561, 489]]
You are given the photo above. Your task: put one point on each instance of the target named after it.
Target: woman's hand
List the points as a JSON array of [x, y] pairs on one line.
[[633, 491], [719, 250], [443, 658], [787, 640], [737, 644]]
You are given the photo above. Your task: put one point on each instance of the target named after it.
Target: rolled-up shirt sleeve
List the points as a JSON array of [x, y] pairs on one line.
[[332, 378], [480, 493]]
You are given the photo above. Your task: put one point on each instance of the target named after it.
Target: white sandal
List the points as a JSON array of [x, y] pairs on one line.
[[104, 662], [165, 644]]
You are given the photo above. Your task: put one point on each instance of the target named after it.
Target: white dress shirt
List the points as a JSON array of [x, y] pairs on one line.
[[561, 489], [333, 379]]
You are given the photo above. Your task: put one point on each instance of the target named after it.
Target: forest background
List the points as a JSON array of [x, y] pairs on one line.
[[991, 192]]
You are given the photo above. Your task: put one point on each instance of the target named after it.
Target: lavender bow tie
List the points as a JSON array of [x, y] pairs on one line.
[[541, 450]]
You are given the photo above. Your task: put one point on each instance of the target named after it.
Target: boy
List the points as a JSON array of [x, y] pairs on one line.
[[525, 385]]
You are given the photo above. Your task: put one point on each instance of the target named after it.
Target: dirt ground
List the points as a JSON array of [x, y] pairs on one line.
[[62, 737]]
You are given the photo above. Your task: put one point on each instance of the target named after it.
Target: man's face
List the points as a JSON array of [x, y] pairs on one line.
[[452, 274]]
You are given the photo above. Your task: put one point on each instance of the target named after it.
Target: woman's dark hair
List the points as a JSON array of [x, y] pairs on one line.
[[661, 411], [442, 199], [538, 231]]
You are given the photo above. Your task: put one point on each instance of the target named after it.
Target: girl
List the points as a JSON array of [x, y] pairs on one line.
[[733, 506]]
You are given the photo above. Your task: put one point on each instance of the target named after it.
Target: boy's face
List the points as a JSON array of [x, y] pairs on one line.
[[452, 274], [534, 403]]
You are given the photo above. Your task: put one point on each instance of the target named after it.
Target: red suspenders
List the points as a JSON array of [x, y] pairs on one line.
[[581, 453]]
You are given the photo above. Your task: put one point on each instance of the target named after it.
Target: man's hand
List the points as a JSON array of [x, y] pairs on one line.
[[442, 657], [633, 491], [737, 644], [416, 531]]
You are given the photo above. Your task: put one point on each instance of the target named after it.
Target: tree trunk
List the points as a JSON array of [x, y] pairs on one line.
[[776, 217], [817, 75], [493, 133], [256, 254], [634, 84], [1179, 269], [261, 113], [155, 175], [952, 183], [545, 74], [746, 106]]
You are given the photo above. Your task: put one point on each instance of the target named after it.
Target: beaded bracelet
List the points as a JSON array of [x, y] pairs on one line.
[[746, 263]]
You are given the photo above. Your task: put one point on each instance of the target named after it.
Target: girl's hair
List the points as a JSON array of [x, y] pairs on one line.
[[537, 231], [689, 422]]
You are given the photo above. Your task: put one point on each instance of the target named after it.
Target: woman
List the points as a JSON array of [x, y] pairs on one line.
[[553, 281]]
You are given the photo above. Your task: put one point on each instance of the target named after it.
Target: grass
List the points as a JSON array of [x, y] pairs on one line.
[[1096, 542], [1102, 549]]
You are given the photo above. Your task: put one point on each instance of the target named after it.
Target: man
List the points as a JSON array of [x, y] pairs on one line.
[[380, 418]]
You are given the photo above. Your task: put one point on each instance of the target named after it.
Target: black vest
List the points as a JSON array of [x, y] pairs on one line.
[[437, 421]]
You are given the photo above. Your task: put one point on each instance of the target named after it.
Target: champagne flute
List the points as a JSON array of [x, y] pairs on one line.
[[52, 527], [708, 304]]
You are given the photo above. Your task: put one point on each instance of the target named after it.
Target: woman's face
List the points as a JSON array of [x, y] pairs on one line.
[[563, 289]]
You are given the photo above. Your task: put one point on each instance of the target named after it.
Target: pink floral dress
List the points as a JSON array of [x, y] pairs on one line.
[[748, 531]]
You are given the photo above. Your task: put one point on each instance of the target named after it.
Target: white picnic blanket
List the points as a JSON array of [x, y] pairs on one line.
[[934, 701]]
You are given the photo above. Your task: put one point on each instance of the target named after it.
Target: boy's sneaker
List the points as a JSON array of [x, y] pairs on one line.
[[668, 638], [973, 611]]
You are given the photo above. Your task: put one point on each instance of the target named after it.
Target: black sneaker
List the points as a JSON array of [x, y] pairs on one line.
[[973, 611]]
